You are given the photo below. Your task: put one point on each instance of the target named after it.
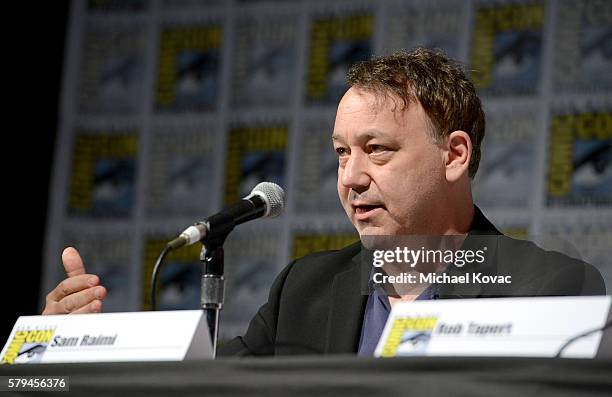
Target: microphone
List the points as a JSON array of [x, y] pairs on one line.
[[267, 199]]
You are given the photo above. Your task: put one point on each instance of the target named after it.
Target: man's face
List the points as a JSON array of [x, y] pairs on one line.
[[390, 174]]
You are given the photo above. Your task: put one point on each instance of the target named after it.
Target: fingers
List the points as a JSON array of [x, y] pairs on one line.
[[78, 302], [92, 307], [73, 264], [83, 298], [71, 285]]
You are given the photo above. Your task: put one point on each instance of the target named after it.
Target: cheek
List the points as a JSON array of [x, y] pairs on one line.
[[342, 190], [410, 184], [399, 193]]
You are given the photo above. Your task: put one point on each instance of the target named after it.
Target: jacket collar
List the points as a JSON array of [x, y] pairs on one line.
[[482, 233]]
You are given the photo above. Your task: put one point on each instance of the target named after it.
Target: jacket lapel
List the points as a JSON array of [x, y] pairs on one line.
[[349, 298]]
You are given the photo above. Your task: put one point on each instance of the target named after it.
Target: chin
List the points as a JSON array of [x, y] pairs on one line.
[[373, 237], [372, 231]]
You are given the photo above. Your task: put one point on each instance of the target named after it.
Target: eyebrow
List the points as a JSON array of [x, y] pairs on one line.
[[363, 136]]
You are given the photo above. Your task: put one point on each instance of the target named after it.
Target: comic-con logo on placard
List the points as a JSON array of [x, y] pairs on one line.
[[28, 346], [409, 336]]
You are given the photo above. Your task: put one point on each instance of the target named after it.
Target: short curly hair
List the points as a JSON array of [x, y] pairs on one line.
[[437, 82]]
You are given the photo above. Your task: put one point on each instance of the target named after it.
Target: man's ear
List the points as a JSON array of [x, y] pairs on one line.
[[457, 154]]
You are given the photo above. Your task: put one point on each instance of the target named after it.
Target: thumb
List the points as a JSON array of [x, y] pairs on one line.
[[73, 264]]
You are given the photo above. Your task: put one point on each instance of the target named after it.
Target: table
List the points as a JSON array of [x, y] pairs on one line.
[[333, 376]]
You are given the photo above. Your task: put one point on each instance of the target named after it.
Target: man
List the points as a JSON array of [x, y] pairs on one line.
[[408, 134]]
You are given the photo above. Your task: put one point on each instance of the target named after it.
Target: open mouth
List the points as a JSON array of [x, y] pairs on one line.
[[363, 211]]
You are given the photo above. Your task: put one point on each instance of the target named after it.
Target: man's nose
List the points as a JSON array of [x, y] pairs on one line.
[[354, 174]]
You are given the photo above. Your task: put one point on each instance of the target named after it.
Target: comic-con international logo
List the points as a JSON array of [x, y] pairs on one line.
[[28, 346], [409, 336]]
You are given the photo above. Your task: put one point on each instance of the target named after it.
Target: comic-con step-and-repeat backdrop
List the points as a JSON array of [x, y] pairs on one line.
[[171, 109]]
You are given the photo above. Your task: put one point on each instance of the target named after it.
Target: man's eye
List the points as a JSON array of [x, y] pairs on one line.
[[341, 151], [377, 149]]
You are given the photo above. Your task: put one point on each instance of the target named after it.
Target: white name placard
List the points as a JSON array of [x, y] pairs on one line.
[[137, 336], [528, 327]]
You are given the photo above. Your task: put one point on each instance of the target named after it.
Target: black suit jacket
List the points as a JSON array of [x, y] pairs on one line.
[[316, 304]]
